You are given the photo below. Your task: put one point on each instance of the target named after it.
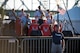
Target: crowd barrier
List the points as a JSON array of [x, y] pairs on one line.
[[9, 45], [35, 44], [72, 45]]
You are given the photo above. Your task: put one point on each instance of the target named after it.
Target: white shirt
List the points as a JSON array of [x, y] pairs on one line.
[[21, 14], [11, 16], [38, 14], [49, 21]]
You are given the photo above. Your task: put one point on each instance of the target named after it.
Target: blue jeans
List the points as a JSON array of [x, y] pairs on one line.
[[56, 48]]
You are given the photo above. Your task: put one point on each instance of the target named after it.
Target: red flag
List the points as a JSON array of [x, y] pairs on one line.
[[61, 10]]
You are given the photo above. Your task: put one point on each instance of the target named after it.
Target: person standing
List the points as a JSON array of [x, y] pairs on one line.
[[12, 17], [25, 24], [40, 21], [38, 13], [22, 14], [48, 16], [58, 42]]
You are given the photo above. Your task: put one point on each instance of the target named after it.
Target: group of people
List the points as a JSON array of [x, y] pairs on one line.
[[39, 14], [25, 17], [57, 36]]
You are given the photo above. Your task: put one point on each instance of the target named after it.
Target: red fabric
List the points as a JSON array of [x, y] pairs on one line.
[[45, 28], [18, 27], [33, 26], [33, 21]]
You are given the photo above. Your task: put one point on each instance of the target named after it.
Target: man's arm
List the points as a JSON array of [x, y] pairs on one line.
[[63, 42]]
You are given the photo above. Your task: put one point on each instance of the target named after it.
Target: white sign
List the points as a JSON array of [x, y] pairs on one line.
[[11, 40]]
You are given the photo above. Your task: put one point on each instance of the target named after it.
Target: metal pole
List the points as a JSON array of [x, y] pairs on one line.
[[49, 4], [32, 5], [66, 3], [57, 15], [57, 18], [14, 4], [69, 18]]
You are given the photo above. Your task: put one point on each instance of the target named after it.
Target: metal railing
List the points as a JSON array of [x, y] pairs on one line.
[[72, 45], [8, 45], [35, 44]]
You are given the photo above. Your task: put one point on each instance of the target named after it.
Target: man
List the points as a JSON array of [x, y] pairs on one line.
[[40, 21], [38, 13], [57, 41], [22, 14], [25, 24], [48, 16], [12, 15]]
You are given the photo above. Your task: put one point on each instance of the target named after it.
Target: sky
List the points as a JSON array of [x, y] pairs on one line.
[[33, 4]]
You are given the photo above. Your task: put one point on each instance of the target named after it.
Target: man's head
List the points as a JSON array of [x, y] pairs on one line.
[[22, 10], [13, 9], [39, 7], [27, 15], [48, 10], [56, 28]]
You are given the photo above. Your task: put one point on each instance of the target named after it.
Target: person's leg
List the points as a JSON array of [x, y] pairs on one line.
[[53, 48], [25, 30], [59, 47]]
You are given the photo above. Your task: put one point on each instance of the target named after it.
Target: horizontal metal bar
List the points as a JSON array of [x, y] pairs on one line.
[[7, 37]]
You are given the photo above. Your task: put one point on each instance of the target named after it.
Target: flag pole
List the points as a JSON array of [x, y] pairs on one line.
[[57, 14], [57, 1]]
